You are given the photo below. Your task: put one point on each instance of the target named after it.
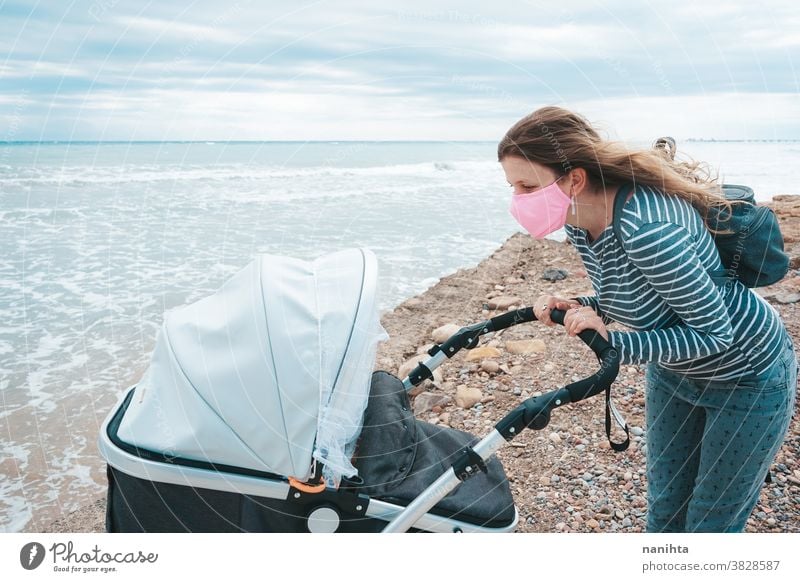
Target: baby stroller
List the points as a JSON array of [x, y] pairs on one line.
[[260, 412]]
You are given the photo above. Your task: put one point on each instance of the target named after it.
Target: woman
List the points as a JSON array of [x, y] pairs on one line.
[[721, 368]]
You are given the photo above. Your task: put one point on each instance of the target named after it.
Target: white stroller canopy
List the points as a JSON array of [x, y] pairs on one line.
[[267, 373]]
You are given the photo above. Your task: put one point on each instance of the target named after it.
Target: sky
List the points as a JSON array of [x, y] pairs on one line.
[[410, 70]]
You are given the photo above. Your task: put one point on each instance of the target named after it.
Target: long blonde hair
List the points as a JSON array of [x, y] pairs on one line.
[[562, 140]]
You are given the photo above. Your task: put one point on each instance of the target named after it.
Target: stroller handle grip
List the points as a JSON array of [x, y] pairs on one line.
[[535, 412], [606, 355], [591, 338]]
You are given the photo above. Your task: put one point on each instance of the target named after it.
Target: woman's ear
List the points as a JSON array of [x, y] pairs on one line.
[[577, 180]]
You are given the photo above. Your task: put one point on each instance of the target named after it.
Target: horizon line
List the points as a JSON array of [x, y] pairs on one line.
[[331, 141]]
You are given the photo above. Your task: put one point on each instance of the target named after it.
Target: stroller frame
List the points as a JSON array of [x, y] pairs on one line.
[[533, 413]]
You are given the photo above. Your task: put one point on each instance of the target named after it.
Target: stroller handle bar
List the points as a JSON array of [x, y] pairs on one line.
[[533, 413], [467, 337]]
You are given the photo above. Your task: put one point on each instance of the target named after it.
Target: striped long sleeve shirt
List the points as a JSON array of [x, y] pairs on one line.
[[658, 286]]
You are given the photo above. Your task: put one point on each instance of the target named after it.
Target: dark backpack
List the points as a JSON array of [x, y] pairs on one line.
[[751, 246]]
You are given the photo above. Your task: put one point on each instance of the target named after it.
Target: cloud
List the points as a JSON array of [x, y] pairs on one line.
[[464, 68]]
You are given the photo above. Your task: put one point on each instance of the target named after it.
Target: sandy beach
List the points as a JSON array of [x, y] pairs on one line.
[[564, 478]]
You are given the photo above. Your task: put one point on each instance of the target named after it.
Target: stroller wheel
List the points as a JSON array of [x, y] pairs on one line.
[[323, 519]]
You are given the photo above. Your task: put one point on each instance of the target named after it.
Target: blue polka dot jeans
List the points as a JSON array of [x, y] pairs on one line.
[[710, 444]]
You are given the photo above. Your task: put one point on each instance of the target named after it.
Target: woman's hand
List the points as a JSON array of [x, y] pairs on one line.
[[546, 303], [579, 318]]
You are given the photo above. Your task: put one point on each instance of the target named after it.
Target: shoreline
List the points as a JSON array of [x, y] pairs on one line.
[[564, 478]]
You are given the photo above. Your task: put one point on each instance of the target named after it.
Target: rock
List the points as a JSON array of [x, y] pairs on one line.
[[554, 275], [787, 297], [444, 418], [771, 522], [424, 349], [544, 480], [490, 366], [554, 437], [412, 303], [467, 397], [525, 346], [637, 431], [503, 302], [443, 333], [593, 523], [410, 364], [619, 514], [627, 522], [428, 400], [483, 352], [560, 526]]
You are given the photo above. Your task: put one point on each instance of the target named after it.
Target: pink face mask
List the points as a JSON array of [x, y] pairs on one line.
[[542, 211]]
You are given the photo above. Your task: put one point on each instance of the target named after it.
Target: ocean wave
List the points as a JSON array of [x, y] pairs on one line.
[[83, 175]]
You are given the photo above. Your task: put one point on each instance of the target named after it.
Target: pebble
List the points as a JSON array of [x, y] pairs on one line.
[[503, 302], [593, 523], [637, 431], [560, 526], [787, 297], [555, 479], [521, 347], [490, 366], [428, 400], [554, 437], [772, 522], [483, 352], [627, 522], [443, 333], [619, 514], [467, 397], [554, 275], [410, 364]]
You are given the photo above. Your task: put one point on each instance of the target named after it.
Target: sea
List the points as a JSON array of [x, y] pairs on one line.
[[100, 239]]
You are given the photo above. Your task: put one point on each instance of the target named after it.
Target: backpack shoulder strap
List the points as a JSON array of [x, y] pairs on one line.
[[619, 201]]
